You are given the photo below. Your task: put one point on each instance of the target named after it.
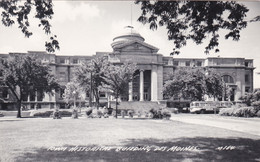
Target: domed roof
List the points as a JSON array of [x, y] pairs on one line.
[[129, 34]]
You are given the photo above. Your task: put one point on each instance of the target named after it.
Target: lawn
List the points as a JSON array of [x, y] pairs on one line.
[[45, 139]]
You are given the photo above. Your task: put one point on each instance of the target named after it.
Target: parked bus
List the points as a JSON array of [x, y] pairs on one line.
[[201, 107]]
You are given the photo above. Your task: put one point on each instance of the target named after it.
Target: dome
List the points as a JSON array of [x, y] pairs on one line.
[[129, 34]]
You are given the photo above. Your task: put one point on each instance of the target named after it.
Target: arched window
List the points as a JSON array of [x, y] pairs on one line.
[[228, 79]]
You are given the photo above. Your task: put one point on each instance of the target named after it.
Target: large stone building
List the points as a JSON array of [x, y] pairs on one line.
[[152, 70]]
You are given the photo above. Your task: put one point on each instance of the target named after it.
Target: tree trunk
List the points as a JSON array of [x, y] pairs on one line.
[[97, 102], [96, 94], [116, 106], [19, 103]]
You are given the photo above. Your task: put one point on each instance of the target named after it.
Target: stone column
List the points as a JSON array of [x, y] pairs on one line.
[[130, 92], [154, 86], [159, 82], [141, 85]]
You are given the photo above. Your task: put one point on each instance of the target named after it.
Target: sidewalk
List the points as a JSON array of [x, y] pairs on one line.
[[245, 125]]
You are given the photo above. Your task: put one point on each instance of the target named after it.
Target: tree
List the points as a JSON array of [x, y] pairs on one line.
[[117, 78], [73, 91], [18, 11], [24, 74], [252, 98], [193, 83], [214, 84], [90, 75], [174, 84], [193, 20]]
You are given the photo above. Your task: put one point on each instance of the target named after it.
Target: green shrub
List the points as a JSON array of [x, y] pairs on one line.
[[130, 113], [156, 114], [139, 114], [88, 111], [150, 115], [56, 114], [146, 114], [239, 112], [256, 104], [97, 113], [110, 110], [249, 112], [65, 113], [75, 114], [45, 114], [113, 113], [123, 113], [106, 115], [258, 113], [166, 113], [104, 111]]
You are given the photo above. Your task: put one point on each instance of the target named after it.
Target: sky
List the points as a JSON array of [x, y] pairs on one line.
[[87, 27]]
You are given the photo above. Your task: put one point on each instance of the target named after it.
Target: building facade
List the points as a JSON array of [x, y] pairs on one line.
[[153, 69]]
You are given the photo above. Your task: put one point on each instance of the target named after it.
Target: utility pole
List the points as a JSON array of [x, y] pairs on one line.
[[90, 94]]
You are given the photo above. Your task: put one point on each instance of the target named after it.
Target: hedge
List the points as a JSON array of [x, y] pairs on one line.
[[47, 114], [239, 112]]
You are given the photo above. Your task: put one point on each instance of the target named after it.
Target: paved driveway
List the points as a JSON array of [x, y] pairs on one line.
[[246, 125]]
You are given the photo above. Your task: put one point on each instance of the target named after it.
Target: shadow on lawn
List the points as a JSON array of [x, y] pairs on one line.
[[207, 149]]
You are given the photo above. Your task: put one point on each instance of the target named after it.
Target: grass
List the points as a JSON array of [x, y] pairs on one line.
[[30, 139]]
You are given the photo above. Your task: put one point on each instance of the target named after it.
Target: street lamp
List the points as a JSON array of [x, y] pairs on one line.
[[75, 111], [74, 94]]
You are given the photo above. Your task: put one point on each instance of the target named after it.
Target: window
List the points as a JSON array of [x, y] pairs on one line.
[[75, 61], [246, 64], [165, 62], [5, 93], [246, 78], [176, 63], [32, 96], [199, 63], [228, 79], [62, 90], [187, 63], [62, 76], [102, 94], [247, 89], [39, 96], [62, 60]]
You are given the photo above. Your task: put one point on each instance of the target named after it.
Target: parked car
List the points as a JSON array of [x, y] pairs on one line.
[[201, 107]]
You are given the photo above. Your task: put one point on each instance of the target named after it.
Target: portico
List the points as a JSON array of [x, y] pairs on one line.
[[130, 47], [140, 87]]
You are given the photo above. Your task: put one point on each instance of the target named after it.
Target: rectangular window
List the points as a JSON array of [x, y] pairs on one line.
[[62, 60], [75, 61], [199, 63], [39, 96], [247, 89], [62, 76], [102, 94], [176, 63], [246, 78], [62, 90], [246, 64], [165, 62], [187, 63], [32, 96], [5, 93]]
